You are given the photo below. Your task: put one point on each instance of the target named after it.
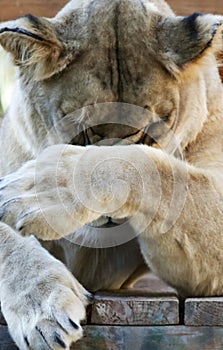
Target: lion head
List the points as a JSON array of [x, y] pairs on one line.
[[109, 70]]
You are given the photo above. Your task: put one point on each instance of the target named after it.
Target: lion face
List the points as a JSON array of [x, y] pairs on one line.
[[91, 65]]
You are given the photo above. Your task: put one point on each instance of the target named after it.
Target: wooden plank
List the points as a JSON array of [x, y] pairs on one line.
[[13, 9], [204, 312], [143, 338], [133, 309], [151, 338]]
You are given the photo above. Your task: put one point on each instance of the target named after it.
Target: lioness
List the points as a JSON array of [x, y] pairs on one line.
[[143, 84]]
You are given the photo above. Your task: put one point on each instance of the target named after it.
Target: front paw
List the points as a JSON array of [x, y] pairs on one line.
[[42, 302], [40, 198]]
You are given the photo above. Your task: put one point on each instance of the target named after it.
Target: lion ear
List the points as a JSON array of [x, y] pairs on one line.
[[183, 40], [34, 46]]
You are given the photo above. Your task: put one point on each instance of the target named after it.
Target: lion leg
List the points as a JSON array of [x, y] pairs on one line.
[[182, 242], [175, 208], [41, 301]]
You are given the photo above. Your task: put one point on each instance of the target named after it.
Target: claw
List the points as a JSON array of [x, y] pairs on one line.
[[73, 324], [4, 185], [10, 201], [59, 341], [2, 214], [26, 341], [43, 337]]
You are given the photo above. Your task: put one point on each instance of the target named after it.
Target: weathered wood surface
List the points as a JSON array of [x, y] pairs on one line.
[[140, 338], [151, 338], [134, 310], [13, 9], [150, 302], [204, 312]]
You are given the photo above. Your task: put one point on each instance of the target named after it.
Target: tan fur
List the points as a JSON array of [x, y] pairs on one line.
[[110, 73]]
